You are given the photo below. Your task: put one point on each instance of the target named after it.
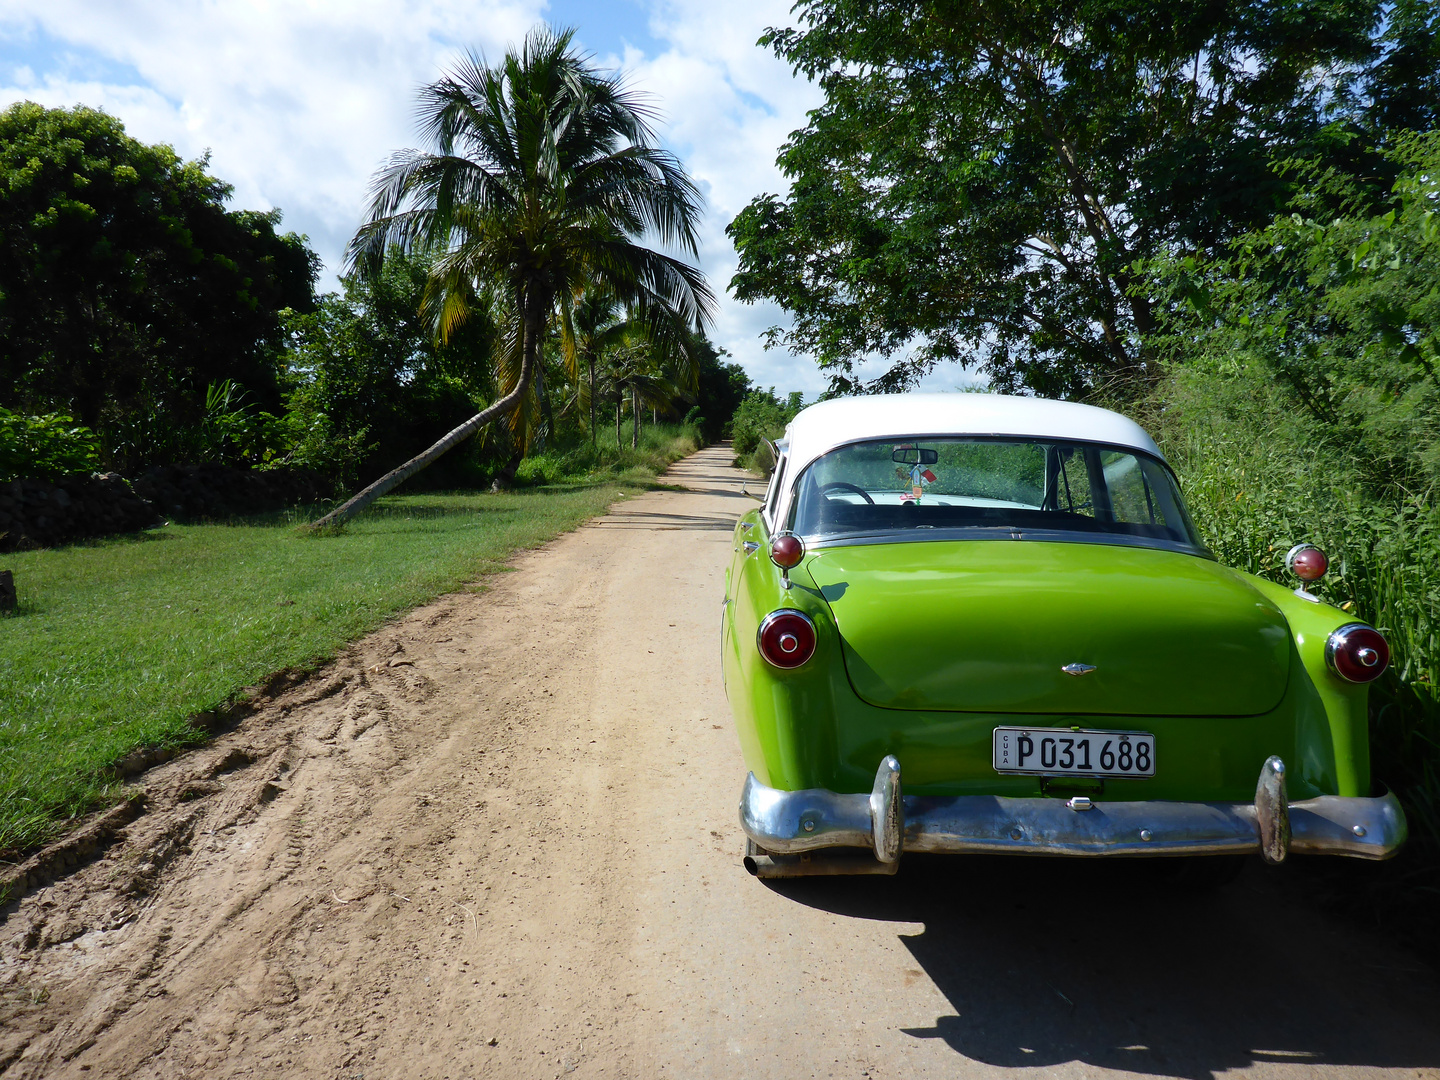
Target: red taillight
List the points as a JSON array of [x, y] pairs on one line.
[[1357, 653], [786, 551], [1307, 562], [786, 638]]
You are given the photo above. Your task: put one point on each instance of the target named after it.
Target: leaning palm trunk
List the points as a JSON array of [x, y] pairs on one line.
[[547, 414], [634, 417], [594, 435], [395, 477]]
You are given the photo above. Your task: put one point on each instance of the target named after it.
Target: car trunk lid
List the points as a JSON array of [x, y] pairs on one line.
[[990, 626]]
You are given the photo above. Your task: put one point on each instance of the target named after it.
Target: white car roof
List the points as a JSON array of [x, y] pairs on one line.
[[821, 428], [829, 424]]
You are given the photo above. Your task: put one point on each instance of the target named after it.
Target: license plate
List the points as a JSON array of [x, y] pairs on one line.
[[1073, 752]]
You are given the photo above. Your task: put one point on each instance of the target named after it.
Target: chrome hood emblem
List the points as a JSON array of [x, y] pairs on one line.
[[1078, 669]]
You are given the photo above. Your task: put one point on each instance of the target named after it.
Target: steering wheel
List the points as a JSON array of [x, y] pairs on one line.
[[843, 486]]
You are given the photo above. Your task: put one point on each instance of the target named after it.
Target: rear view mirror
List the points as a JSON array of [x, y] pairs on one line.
[[914, 455]]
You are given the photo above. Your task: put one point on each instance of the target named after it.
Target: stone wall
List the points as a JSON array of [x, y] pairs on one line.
[[43, 513], [214, 492]]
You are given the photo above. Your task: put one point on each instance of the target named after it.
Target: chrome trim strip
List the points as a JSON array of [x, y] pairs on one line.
[[790, 822], [926, 535]]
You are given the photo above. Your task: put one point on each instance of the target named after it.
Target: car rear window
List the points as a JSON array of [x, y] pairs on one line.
[[1032, 485]]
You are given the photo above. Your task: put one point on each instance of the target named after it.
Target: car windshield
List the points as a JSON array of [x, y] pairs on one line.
[[1032, 485]]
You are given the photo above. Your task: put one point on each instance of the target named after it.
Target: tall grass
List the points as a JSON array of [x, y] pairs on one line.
[[1256, 485], [660, 445]]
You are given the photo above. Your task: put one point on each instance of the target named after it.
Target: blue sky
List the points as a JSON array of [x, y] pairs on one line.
[[298, 103]]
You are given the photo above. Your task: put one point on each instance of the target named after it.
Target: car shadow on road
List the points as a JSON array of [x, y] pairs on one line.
[[1111, 965]]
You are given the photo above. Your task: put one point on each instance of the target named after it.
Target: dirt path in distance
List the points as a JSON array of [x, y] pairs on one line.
[[498, 839]]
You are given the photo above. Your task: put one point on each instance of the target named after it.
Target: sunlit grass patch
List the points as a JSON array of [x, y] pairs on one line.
[[116, 644]]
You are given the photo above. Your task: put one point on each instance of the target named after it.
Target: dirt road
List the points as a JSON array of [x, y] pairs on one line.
[[499, 839]]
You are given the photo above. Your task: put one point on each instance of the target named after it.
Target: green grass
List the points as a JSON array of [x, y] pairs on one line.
[[117, 644], [660, 444]]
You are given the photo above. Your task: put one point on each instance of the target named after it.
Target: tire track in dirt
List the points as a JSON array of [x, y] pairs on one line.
[[497, 838]]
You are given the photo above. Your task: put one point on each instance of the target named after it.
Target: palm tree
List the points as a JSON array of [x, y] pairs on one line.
[[592, 326], [637, 369], [544, 176]]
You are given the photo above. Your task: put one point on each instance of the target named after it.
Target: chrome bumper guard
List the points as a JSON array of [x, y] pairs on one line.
[[887, 822]]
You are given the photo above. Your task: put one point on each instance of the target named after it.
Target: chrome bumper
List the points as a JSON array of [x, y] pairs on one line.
[[888, 822]]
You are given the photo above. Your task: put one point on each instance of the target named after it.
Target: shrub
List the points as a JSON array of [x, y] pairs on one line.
[[660, 445], [762, 416], [44, 446]]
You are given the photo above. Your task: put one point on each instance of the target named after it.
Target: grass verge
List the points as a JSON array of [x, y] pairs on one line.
[[116, 644], [659, 446]]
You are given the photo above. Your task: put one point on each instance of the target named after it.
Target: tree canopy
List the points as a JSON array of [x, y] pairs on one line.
[[982, 177], [126, 286], [1332, 323]]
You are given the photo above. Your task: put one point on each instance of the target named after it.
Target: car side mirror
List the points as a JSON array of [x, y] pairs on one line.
[[774, 456]]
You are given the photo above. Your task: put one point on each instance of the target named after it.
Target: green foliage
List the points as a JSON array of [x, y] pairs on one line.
[[44, 446], [1300, 403], [367, 387], [762, 416], [660, 445], [542, 176], [723, 386], [126, 287], [228, 430], [1341, 315], [982, 176]]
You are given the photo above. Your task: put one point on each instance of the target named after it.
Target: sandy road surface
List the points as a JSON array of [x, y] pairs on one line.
[[498, 839]]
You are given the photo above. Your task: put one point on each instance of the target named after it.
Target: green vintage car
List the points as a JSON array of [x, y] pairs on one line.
[[975, 623]]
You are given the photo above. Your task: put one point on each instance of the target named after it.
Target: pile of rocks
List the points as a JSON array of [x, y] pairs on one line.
[[43, 513], [214, 492]]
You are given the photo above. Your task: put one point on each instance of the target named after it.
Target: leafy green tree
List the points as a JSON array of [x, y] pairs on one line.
[[544, 177], [1300, 403], [983, 177], [1333, 320], [759, 421], [366, 381], [722, 387], [635, 371], [126, 287]]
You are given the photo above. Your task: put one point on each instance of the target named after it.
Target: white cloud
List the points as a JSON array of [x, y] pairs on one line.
[[730, 105], [300, 102]]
